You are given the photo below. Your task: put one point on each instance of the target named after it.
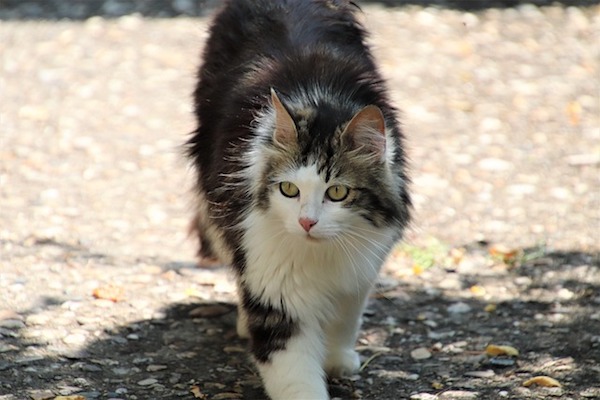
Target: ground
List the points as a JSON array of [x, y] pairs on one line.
[[100, 294]]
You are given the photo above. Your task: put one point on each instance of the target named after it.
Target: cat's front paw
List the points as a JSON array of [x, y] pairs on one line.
[[342, 363]]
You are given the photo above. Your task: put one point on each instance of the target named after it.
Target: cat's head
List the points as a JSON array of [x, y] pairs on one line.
[[323, 179]]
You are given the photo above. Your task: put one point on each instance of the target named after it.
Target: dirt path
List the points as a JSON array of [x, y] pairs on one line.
[[502, 112]]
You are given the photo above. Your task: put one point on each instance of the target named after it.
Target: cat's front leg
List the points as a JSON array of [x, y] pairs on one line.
[[289, 355], [296, 372], [341, 334]]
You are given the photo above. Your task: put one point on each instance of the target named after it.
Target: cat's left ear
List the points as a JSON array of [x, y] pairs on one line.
[[366, 131], [285, 132]]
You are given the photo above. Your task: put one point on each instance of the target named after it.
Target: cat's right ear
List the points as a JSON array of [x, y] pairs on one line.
[[285, 132]]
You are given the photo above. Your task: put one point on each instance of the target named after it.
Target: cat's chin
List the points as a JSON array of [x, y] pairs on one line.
[[314, 239]]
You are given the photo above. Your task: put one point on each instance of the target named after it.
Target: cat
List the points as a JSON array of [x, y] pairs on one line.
[[301, 181]]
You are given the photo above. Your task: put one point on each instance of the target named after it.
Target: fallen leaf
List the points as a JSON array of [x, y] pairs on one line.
[[417, 269], [197, 393], [457, 255], [75, 397], [490, 308], [477, 290], [574, 112], [109, 292], [437, 385], [504, 254], [542, 381], [494, 350]]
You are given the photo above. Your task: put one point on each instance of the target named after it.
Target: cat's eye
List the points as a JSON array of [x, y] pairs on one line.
[[337, 192], [288, 189]]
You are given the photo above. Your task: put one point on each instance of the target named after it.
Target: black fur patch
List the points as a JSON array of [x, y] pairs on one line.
[[270, 328]]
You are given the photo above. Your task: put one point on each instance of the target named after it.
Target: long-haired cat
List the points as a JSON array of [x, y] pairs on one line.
[[301, 181]]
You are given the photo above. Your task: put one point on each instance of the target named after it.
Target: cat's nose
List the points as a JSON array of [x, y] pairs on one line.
[[307, 223]]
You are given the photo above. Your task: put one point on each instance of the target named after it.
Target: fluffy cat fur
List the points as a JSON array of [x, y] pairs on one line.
[[301, 182]]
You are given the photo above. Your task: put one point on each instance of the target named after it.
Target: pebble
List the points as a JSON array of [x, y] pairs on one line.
[[147, 382], [459, 308], [420, 353], [494, 164], [423, 396], [12, 324], [481, 374], [458, 394], [75, 338], [41, 394]]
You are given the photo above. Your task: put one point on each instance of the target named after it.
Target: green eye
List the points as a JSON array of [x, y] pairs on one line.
[[288, 189], [337, 192]]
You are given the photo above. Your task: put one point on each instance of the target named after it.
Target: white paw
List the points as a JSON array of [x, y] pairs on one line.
[[342, 363]]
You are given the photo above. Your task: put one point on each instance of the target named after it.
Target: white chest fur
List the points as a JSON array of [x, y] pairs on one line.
[[307, 277]]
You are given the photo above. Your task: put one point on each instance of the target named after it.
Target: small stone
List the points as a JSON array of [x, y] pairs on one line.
[[38, 319], [75, 338], [458, 394], [67, 390], [494, 164], [423, 396], [481, 374], [5, 348], [592, 393], [12, 324], [147, 382], [420, 353], [121, 371], [440, 335], [459, 308], [41, 394]]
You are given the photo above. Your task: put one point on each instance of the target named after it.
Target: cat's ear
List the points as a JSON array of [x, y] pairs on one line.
[[285, 129], [366, 131]]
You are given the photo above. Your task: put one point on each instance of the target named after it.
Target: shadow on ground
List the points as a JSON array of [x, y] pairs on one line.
[[166, 357], [83, 9]]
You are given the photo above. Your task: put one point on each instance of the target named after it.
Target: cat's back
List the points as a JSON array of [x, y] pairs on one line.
[[246, 30]]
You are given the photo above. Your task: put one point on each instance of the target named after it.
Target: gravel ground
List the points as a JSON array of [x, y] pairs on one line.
[[100, 296]]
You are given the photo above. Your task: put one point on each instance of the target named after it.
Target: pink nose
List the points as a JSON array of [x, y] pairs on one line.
[[307, 223]]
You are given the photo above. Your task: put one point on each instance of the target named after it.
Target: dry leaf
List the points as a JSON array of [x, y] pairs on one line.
[[494, 350], [457, 255], [490, 308], [437, 385], [574, 112], [504, 253], [417, 269], [197, 393], [542, 381], [477, 290], [109, 292]]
